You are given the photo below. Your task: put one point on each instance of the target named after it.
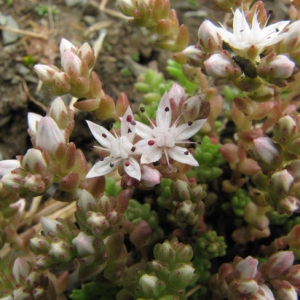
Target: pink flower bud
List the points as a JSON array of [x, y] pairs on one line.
[[220, 65], [50, 226], [65, 45], [58, 109], [149, 176], [49, 136], [265, 150], [246, 269], [288, 205], [208, 36], [284, 130], [278, 264], [21, 269], [276, 67], [70, 62], [126, 6], [45, 72]]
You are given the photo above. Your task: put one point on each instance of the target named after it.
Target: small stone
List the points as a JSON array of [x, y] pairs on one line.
[[8, 36]]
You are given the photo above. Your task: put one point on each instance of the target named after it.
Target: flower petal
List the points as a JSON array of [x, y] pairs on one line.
[[133, 170], [8, 165], [127, 127], [32, 120], [182, 155], [103, 136], [103, 167], [185, 131], [164, 113], [144, 131], [152, 154]]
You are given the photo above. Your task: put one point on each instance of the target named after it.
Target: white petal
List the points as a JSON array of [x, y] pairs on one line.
[[48, 135], [103, 167], [133, 170], [185, 131], [127, 129], [8, 165], [32, 120], [164, 113], [144, 131], [64, 45], [103, 136], [152, 154], [178, 154]]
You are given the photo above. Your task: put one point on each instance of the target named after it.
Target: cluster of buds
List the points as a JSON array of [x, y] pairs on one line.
[[165, 277], [243, 280], [76, 76], [210, 245], [278, 180], [98, 245], [52, 160], [158, 17], [184, 200], [26, 282]]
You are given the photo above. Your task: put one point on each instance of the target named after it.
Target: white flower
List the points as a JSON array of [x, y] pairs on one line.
[[250, 42], [163, 137], [120, 147]]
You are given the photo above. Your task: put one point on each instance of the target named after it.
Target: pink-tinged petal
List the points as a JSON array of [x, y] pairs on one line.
[[6, 166], [33, 119], [128, 125], [48, 135], [150, 176], [152, 154], [103, 167], [185, 131], [142, 146], [132, 168], [182, 155], [164, 113], [143, 130], [44, 72], [176, 94], [246, 268], [64, 45], [102, 135], [69, 60]]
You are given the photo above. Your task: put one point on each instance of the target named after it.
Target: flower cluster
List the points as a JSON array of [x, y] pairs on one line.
[[164, 138]]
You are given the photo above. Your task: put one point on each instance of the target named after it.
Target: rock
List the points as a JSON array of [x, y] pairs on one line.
[[8, 37]]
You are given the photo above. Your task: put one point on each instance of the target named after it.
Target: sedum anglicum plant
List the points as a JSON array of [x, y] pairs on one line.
[[159, 215]]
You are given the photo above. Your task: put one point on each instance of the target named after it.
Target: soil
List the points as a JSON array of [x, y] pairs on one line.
[[19, 85]]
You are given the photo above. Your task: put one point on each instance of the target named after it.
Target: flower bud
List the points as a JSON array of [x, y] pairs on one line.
[[50, 226], [126, 6], [275, 67], [209, 38], [286, 292], [291, 42], [71, 63], [246, 269], [280, 183], [278, 264], [58, 111], [266, 151], [288, 205], [45, 72], [65, 45], [165, 252], [84, 244], [49, 136], [151, 285], [284, 130], [86, 53], [21, 269], [34, 161], [220, 65], [181, 276], [33, 119], [149, 176], [194, 55], [60, 251]]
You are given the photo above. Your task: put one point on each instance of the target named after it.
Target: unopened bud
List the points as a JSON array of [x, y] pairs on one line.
[[209, 38], [194, 55], [65, 45], [284, 130], [34, 161], [151, 285], [220, 65], [60, 251], [84, 244], [70, 62], [265, 150]]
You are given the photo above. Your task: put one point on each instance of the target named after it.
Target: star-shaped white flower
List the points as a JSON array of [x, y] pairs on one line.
[[250, 42], [120, 147], [164, 137]]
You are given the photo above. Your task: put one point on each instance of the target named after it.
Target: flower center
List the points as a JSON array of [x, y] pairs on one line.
[[121, 148], [165, 137]]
